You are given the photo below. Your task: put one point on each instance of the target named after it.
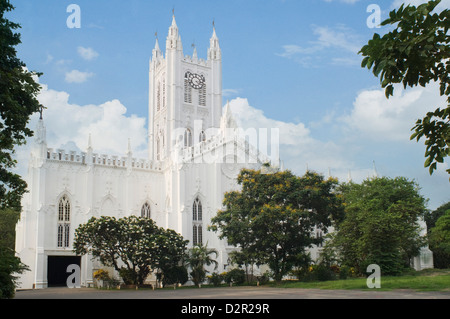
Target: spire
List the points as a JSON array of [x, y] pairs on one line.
[[129, 152], [214, 52], [41, 110], [375, 173], [227, 108], [227, 121], [194, 54], [228, 116], [156, 51], [174, 23], [89, 153], [156, 41], [214, 36], [173, 38], [39, 148], [89, 143], [129, 160], [173, 30], [40, 132]]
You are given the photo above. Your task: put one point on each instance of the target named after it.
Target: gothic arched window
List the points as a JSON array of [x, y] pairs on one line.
[[202, 137], [202, 95], [187, 89], [197, 216], [187, 138], [145, 210], [158, 97], [164, 93], [63, 222], [158, 149]]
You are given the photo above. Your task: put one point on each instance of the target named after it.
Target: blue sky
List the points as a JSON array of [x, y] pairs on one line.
[[286, 63]]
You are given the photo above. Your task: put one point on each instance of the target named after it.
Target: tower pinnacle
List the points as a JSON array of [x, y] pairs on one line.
[[173, 38], [214, 52]]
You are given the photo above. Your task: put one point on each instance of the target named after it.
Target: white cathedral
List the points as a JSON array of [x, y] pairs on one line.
[[194, 158], [195, 153]]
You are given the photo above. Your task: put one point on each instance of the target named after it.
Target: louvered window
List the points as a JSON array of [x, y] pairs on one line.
[[197, 227], [145, 210], [64, 211]]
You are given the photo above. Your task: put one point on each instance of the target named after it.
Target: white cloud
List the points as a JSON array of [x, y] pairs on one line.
[[230, 92], [49, 58], [339, 37], [87, 53], [76, 76], [109, 125], [376, 129], [445, 4], [249, 117], [344, 1], [375, 117], [340, 41], [372, 117], [68, 127], [298, 149]]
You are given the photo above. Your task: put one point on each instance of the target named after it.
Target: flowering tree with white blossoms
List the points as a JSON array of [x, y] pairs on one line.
[[134, 246]]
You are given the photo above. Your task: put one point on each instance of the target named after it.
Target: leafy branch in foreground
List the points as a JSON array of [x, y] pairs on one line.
[[417, 52]]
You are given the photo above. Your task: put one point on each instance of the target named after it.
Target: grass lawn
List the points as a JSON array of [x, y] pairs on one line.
[[426, 280]]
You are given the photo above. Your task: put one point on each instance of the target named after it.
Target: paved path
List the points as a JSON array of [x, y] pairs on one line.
[[249, 293], [242, 302]]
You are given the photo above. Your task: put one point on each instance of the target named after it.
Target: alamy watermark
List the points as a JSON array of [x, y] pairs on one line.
[[229, 145], [374, 279], [74, 19], [74, 279], [374, 20]]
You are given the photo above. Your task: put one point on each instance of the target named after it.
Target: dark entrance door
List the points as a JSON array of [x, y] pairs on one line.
[[57, 269]]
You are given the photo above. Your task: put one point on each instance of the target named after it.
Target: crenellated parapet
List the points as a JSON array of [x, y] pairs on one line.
[[82, 158]]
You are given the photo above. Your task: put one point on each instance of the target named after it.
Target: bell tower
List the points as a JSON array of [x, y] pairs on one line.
[[183, 92]]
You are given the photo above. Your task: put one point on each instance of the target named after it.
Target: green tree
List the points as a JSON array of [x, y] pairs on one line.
[[134, 246], [173, 275], [8, 221], [234, 276], [440, 258], [439, 239], [9, 266], [272, 218], [432, 217], [171, 258], [417, 52], [381, 224], [199, 257], [247, 259], [17, 102]]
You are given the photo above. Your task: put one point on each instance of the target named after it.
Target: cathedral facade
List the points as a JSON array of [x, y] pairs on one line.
[[195, 152], [194, 156]]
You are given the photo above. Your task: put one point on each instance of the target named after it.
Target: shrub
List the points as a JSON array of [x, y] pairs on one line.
[[198, 275], [344, 272], [305, 273], [10, 266], [128, 276], [335, 269], [324, 273], [264, 278], [215, 279], [235, 276], [102, 274], [174, 275]]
